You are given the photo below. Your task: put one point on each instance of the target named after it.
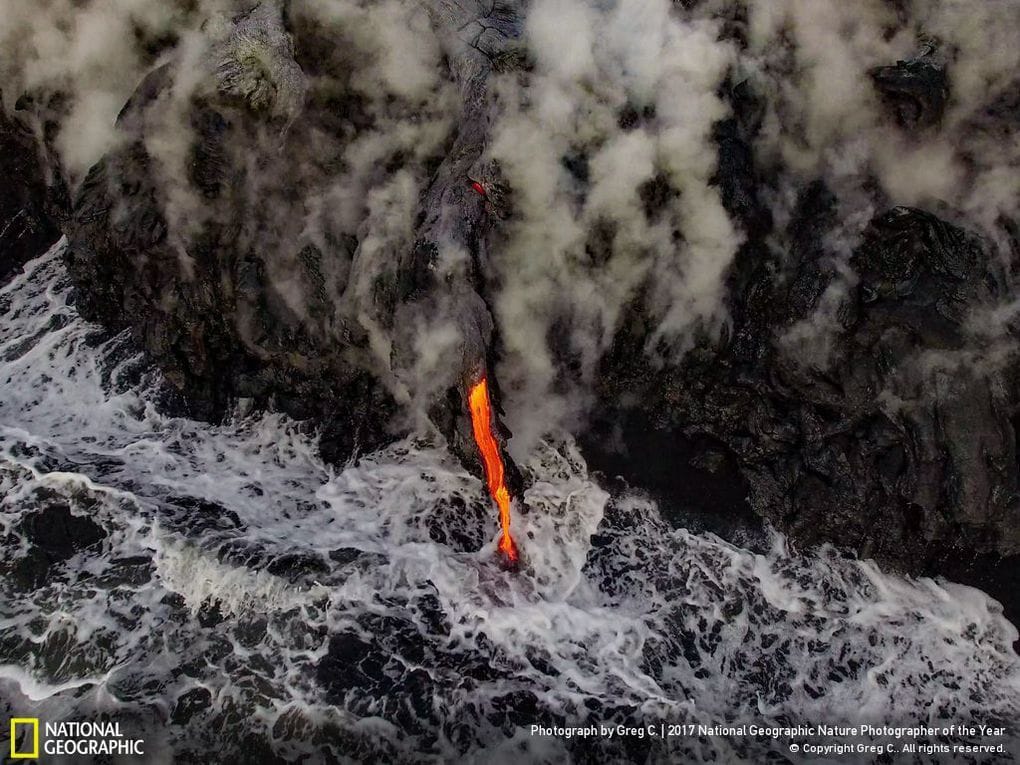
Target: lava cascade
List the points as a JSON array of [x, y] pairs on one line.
[[481, 424]]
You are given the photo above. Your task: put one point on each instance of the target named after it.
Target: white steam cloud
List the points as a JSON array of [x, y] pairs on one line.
[[592, 64], [812, 60]]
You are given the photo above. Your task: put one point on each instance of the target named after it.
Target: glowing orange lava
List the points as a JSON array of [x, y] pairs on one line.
[[481, 424]]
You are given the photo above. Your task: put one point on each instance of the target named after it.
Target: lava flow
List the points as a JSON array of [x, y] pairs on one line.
[[481, 424]]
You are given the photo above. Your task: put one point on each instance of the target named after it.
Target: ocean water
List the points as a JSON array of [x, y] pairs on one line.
[[222, 593]]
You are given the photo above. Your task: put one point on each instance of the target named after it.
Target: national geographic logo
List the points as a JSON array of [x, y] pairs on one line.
[[70, 738], [31, 740]]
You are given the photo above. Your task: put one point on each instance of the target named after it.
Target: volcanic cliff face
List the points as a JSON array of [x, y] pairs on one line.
[[32, 198], [897, 441], [901, 449], [304, 213], [251, 275]]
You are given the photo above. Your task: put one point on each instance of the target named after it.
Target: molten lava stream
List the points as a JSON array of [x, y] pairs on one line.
[[481, 424]]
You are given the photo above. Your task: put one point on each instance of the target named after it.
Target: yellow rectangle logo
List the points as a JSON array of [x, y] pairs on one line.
[[25, 721]]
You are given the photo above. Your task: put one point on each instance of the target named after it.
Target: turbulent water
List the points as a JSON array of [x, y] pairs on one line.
[[234, 597]]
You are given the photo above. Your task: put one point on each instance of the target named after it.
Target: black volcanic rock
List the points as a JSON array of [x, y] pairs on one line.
[[54, 534], [894, 437], [901, 447], [29, 219], [215, 277], [129, 276], [189, 276], [916, 90]]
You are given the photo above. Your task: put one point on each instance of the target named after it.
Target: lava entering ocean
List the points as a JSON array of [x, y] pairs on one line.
[[481, 424]]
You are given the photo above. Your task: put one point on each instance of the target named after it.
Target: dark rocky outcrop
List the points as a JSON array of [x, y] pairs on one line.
[[31, 200], [894, 439], [54, 534], [916, 90], [130, 277], [215, 275], [183, 263]]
